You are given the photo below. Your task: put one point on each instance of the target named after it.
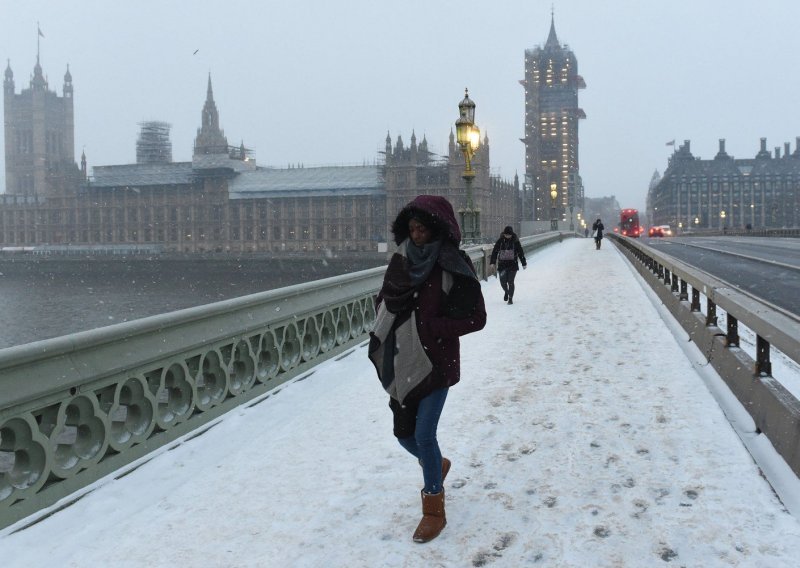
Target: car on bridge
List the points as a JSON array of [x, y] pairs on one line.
[[660, 231]]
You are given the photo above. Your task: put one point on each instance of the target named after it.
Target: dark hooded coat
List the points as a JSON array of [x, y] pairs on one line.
[[415, 343], [511, 244]]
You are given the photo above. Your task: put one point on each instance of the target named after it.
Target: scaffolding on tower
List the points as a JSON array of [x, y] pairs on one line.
[[153, 145]]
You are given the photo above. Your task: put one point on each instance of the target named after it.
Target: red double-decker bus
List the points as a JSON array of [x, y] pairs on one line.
[[629, 223]]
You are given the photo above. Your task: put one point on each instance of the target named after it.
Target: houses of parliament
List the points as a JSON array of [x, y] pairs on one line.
[[219, 201], [222, 201]]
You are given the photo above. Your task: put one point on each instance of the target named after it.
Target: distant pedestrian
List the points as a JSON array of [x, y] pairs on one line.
[[505, 253], [430, 297], [586, 232], [597, 232]]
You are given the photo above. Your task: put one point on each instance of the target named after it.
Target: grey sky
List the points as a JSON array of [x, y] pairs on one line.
[[320, 82]]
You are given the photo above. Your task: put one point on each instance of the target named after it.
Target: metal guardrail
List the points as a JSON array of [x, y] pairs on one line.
[[77, 408], [730, 232], [775, 411]]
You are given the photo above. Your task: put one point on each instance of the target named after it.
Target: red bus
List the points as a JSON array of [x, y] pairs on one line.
[[629, 223]]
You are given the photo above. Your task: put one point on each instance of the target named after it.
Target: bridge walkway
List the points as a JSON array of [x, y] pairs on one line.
[[584, 432]]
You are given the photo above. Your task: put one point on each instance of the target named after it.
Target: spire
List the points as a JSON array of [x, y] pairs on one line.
[[210, 138], [68, 83], [38, 81], [451, 147], [8, 82], [552, 38]]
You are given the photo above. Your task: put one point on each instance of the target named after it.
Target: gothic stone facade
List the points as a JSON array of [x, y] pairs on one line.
[[223, 201]]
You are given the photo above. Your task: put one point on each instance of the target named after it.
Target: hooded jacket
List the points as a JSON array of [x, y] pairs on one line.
[[415, 344], [511, 244]]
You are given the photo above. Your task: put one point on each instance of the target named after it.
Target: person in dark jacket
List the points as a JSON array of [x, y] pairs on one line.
[[430, 297], [505, 253], [597, 231]]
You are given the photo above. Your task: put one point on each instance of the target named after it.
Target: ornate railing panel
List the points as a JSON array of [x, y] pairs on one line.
[[74, 409]]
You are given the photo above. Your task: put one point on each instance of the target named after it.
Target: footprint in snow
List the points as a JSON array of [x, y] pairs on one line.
[[484, 557]]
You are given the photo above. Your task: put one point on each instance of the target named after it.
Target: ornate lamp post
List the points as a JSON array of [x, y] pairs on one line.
[[553, 196], [468, 136]]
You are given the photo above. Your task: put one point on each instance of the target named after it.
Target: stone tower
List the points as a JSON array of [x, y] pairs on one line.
[[551, 128], [210, 138], [39, 133]]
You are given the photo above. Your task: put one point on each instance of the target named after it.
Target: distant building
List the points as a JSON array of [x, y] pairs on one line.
[[551, 130], [607, 209], [39, 135], [221, 200], [414, 170], [759, 192]]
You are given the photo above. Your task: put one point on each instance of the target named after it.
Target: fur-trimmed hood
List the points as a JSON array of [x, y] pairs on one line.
[[434, 212]]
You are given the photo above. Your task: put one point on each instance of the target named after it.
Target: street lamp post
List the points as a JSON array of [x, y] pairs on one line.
[[722, 219], [468, 136], [553, 195]]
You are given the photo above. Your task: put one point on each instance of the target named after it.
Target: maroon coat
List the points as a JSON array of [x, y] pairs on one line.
[[440, 334], [441, 317]]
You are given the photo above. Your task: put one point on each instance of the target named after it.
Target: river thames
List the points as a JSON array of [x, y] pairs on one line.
[[44, 298]]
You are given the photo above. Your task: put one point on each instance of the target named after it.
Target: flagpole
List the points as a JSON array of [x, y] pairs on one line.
[[38, 35]]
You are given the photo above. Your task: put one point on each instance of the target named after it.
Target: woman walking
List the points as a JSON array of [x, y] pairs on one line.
[[597, 232], [429, 298], [505, 253]]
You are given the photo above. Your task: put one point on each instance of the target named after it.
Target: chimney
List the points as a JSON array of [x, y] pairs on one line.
[[721, 145], [763, 144], [777, 152], [786, 149], [686, 144]]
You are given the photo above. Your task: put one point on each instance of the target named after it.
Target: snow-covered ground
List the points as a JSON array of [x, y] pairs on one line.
[[583, 433]]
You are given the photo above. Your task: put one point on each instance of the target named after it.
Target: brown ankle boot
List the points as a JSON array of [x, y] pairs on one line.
[[433, 517]]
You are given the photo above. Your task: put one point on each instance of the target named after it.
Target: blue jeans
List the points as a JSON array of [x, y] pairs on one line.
[[423, 444]]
